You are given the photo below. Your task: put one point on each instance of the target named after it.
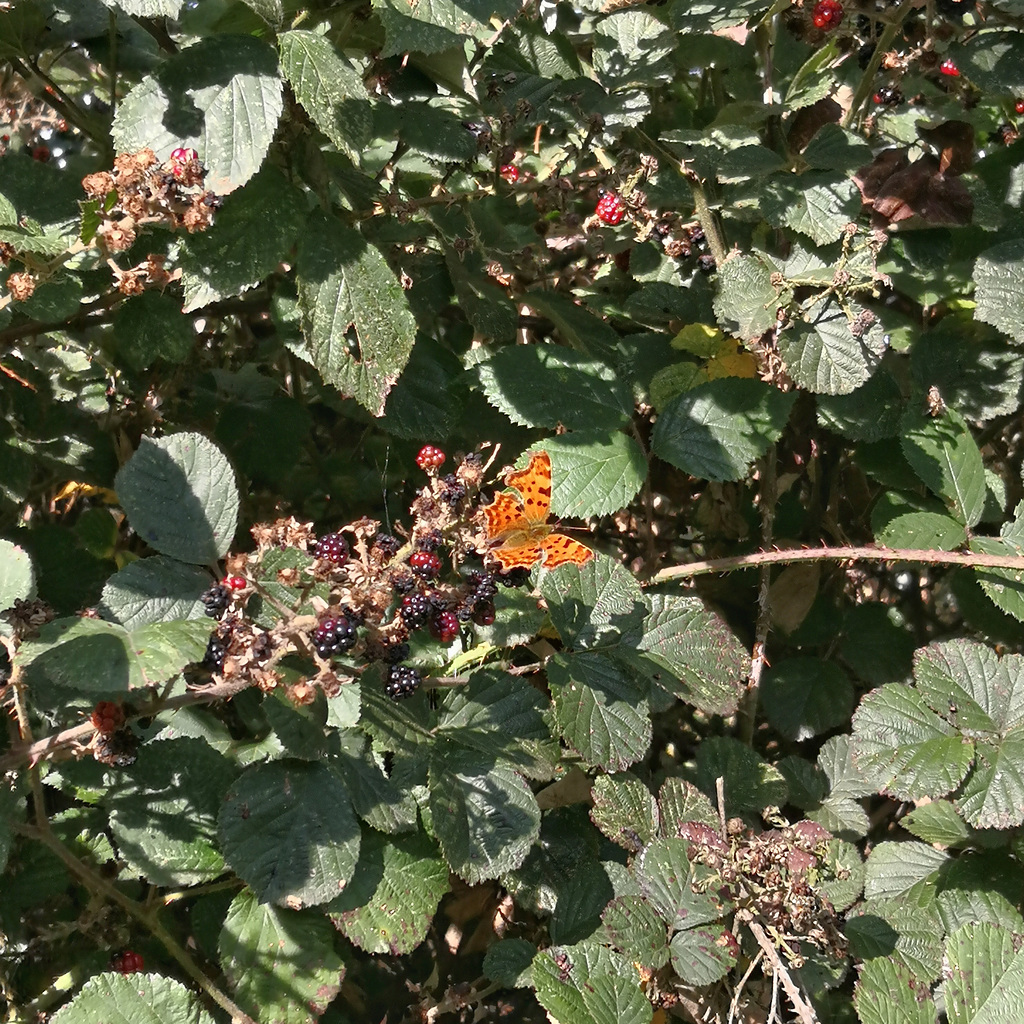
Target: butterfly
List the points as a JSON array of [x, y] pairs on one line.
[[518, 528]]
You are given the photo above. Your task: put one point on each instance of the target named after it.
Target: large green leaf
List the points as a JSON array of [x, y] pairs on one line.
[[594, 473], [631, 925], [157, 589], [716, 430], [329, 88], [147, 998], [803, 697], [17, 575], [149, 327], [887, 993], [288, 830], [281, 963], [222, 96], [667, 880], [819, 204], [180, 496], [625, 810], [434, 25], [356, 317], [985, 984], [750, 782], [999, 288], [703, 955], [747, 300]]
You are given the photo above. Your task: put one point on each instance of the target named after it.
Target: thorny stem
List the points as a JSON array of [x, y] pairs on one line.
[[804, 1011], [98, 884], [846, 553]]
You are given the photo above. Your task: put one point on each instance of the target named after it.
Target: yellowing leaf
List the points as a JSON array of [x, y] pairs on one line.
[[732, 364], [700, 339]]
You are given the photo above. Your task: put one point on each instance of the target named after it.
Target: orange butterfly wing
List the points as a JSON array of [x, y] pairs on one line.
[[520, 527]]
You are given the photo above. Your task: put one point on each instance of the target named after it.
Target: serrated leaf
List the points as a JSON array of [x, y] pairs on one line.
[[251, 235], [946, 457], [163, 814], [751, 784], [394, 893], [893, 869], [595, 606], [716, 430], [329, 88], [577, 913], [222, 96], [180, 496], [1004, 587], [281, 963], [575, 989], [746, 301], [156, 589], [986, 975], [869, 413], [624, 810], [631, 925], [699, 649], [484, 814], [804, 697], [667, 879], [816, 203], [903, 929], [831, 353], [594, 473], [702, 956], [936, 823], [288, 830], [680, 802], [98, 657], [434, 25], [887, 993], [140, 997], [544, 385], [508, 961], [922, 530], [999, 288], [908, 749], [345, 284], [150, 8], [839, 812], [149, 327], [599, 709], [378, 799], [17, 574]]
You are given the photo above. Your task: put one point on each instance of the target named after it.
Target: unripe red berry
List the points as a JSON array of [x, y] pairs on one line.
[[947, 67], [41, 153], [827, 14], [128, 962], [183, 155], [107, 717], [510, 173], [444, 627], [234, 582], [1019, 106], [610, 209], [430, 457], [425, 564]]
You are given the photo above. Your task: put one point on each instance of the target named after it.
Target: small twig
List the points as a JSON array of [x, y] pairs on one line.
[[803, 1009], [735, 1003], [846, 553]]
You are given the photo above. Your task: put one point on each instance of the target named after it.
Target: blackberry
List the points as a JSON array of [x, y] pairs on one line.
[[403, 583], [333, 636], [514, 578], [415, 610], [484, 613], [610, 208], [119, 749], [430, 458], [453, 490], [394, 653], [107, 717], [128, 962], [215, 600], [403, 681], [425, 564], [697, 237], [444, 627], [483, 584], [888, 96], [464, 612], [333, 547], [387, 545], [706, 263], [216, 651]]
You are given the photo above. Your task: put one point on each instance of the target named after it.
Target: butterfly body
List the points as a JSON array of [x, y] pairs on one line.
[[517, 528]]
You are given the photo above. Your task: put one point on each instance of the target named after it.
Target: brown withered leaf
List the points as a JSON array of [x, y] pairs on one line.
[[954, 141], [919, 191]]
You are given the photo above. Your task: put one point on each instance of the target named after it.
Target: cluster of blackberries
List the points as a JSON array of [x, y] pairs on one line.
[[216, 651], [215, 600], [333, 547], [481, 599], [333, 636], [683, 242], [128, 962], [453, 490], [402, 681], [415, 609], [118, 749]]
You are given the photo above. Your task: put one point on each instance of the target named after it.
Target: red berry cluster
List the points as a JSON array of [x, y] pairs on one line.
[[181, 159], [948, 67], [510, 173], [107, 717], [610, 208], [425, 564], [128, 962], [827, 14], [430, 458], [1019, 106]]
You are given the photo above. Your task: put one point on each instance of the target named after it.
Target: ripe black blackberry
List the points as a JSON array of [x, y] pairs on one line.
[[216, 650], [430, 541], [402, 681], [452, 490], [484, 613], [119, 749], [333, 547], [444, 627], [403, 583], [514, 578], [483, 584], [215, 600], [415, 610], [333, 636], [387, 545]]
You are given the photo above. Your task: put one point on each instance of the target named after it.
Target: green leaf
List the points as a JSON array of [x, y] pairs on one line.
[[909, 750], [156, 589], [985, 983], [631, 925], [17, 574], [180, 496], [999, 288], [625, 810], [379, 800], [887, 993], [345, 284], [99, 657], [577, 913], [680, 802], [394, 894], [594, 606], [751, 784], [149, 327], [434, 25], [715, 431], [936, 823], [288, 830], [834, 352], [139, 997], [702, 956], [704, 656], [813, 80], [840, 812], [834, 148], [507, 962], [894, 869], [150, 8], [163, 814], [251, 235], [600, 709], [1004, 587], [594, 473], [945, 456], [329, 88], [281, 963], [222, 96], [804, 697], [870, 413], [922, 530], [484, 814], [747, 300], [667, 879], [905, 930], [545, 385]]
